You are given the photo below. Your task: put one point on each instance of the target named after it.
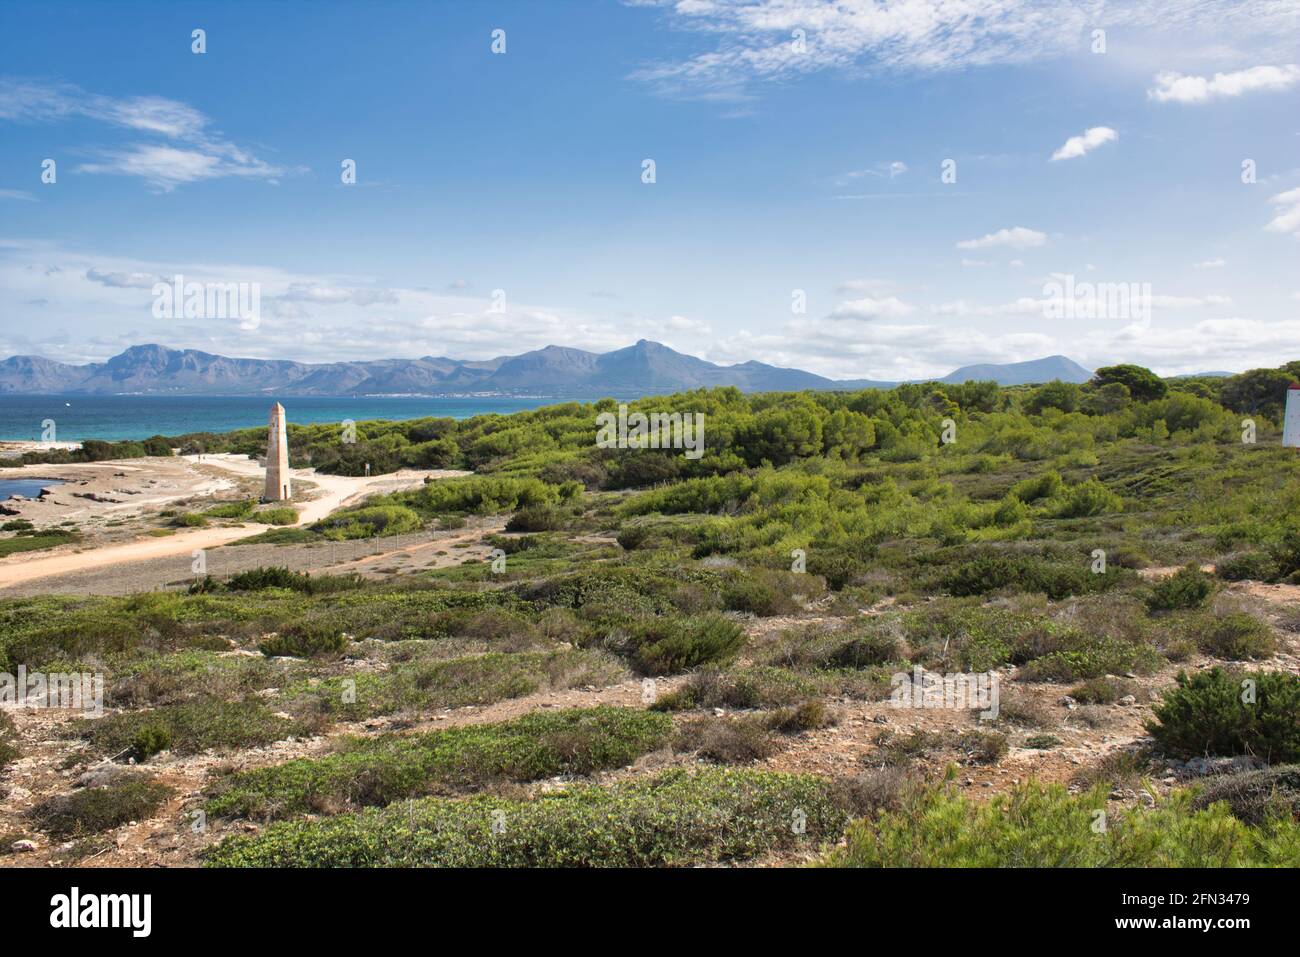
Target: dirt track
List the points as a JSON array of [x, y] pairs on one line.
[[175, 551]]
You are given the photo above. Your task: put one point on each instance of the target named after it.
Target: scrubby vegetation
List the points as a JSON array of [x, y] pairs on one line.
[[1044, 826], [94, 809], [1222, 712], [382, 770], [676, 818], [751, 609]]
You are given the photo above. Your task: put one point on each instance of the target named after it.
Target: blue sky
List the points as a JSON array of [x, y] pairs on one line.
[[780, 166]]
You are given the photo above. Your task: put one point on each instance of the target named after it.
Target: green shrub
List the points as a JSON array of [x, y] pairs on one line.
[[189, 520], [1087, 499], [481, 495], [1249, 566], [1236, 636], [1047, 485], [35, 542], [765, 593], [188, 728], [368, 522], [1103, 690], [285, 515], [987, 573], [1222, 713], [149, 740], [752, 687], [95, 809], [866, 650], [240, 509], [277, 576], [304, 638], [378, 771], [1045, 826], [805, 716], [1186, 588], [1076, 655], [676, 818], [537, 518], [661, 646], [422, 685]]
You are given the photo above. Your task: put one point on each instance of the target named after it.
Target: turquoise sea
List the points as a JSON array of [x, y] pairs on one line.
[[116, 417]]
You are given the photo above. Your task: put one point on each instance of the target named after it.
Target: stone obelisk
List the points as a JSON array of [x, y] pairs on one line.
[[277, 458]]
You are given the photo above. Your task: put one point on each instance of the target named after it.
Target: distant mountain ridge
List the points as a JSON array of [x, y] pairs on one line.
[[642, 369]]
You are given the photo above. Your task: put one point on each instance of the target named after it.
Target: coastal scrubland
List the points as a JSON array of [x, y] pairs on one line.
[[668, 660]]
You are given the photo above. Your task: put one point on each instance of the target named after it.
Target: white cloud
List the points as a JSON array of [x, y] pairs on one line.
[[320, 318], [1287, 219], [972, 263], [752, 40], [1180, 88], [191, 153], [1091, 138], [870, 287], [123, 280], [1017, 237], [867, 309], [1217, 263], [17, 194]]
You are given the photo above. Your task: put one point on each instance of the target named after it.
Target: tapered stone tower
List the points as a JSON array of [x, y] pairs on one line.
[[277, 458]]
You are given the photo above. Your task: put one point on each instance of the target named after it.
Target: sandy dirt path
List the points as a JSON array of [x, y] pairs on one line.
[[334, 491]]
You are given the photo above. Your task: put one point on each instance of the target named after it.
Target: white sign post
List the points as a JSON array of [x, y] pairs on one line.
[[1291, 420]]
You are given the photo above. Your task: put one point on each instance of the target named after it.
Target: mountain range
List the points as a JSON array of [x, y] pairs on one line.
[[642, 369]]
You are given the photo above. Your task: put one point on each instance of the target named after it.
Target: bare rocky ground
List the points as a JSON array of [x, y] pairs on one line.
[[373, 558], [1087, 735]]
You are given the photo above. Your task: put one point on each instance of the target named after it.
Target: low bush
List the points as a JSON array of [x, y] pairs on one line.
[[95, 809], [1236, 636], [1076, 655], [677, 818], [421, 685], [805, 716], [765, 593], [369, 522], [753, 687], [983, 747], [537, 518], [1186, 588], [382, 770], [285, 515], [1218, 712], [1256, 797], [188, 728], [1045, 826], [1249, 566], [35, 542], [304, 638], [277, 576], [1106, 689], [240, 509], [661, 646], [737, 740]]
